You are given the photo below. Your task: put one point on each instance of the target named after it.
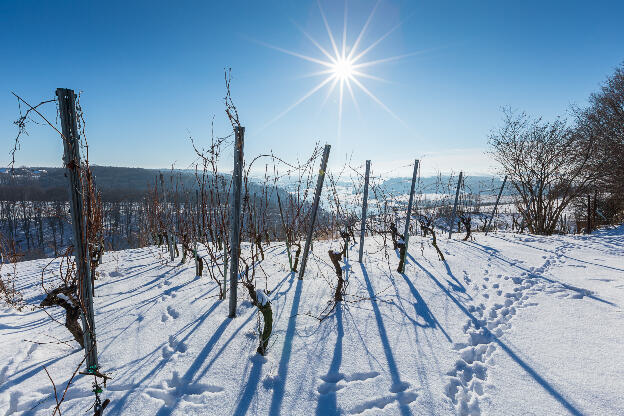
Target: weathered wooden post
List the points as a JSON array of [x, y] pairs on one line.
[[455, 204], [495, 205], [279, 204], [317, 197], [364, 207], [588, 229], [408, 217], [166, 214], [237, 178], [595, 208], [174, 245], [71, 159], [197, 231], [225, 270]]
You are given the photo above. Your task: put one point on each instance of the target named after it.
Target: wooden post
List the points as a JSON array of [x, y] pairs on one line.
[[595, 208], [487, 228], [172, 229], [166, 215], [279, 203], [455, 205], [197, 231], [317, 197], [71, 160], [588, 228], [225, 270], [237, 178], [408, 217], [364, 207]]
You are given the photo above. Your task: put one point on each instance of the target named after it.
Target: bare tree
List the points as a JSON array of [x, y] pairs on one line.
[[603, 122], [548, 164]]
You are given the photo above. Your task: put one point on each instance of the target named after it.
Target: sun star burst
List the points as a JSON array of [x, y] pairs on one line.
[[341, 70]]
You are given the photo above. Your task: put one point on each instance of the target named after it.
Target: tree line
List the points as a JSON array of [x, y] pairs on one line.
[[569, 165]]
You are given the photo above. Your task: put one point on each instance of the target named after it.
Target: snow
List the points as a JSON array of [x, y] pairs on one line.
[[262, 298], [66, 298], [511, 324]]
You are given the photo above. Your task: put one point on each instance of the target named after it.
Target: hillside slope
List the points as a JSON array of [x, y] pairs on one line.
[[511, 324]]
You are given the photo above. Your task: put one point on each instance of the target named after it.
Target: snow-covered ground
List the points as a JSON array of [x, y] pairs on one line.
[[509, 325]]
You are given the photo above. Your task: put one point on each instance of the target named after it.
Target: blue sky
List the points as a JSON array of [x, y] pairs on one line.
[[152, 73]]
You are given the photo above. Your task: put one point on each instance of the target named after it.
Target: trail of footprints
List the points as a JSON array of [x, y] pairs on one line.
[[467, 379], [10, 368], [170, 312]]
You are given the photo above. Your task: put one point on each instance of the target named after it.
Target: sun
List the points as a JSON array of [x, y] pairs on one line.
[[342, 71]]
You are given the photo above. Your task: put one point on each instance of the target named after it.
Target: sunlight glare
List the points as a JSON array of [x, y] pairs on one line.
[[343, 69]]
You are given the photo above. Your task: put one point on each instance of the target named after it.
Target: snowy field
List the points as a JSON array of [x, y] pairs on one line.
[[510, 325]]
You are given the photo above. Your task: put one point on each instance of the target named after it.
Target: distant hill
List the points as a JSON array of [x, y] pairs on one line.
[[484, 185], [115, 183]]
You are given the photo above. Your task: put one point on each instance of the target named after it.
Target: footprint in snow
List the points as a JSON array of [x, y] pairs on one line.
[[337, 381], [172, 347], [171, 313]]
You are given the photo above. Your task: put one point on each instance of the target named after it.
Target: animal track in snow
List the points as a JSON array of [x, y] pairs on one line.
[[173, 347], [171, 313], [402, 398], [332, 382], [176, 389]]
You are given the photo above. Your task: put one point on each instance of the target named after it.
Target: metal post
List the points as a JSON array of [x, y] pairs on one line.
[[455, 205], [409, 214], [317, 197], [364, 207], [237, 177], [71, 159], [496, 205]]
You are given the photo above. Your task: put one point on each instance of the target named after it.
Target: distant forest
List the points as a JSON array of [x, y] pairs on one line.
[[116, 183]]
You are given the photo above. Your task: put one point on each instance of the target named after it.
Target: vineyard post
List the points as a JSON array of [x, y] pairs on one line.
[[409, 214], [172, 229], [237, 175], [317, 197], [71, 159], [595, 208], [588, 229], [225, 270], [459, 181], [279, 204], [364, 207], [496, 205], [165, 214], [198, 233]]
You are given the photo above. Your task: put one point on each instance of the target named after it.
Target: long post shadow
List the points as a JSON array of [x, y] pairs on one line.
[[327, 404], [120, 402], [394, 370], [187, 378], [545, 384], [423, 310], [252, 383], [282, 372]]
